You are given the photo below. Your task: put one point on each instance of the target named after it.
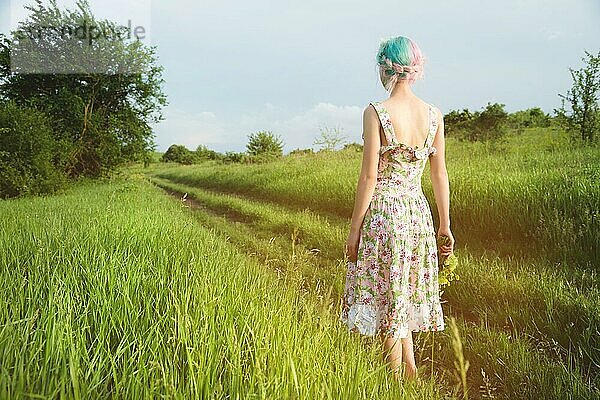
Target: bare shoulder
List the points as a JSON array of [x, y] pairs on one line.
[[370, 121], [369, 112]]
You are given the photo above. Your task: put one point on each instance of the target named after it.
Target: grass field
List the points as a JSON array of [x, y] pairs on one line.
[[525, 218], [121, 288], [114, 289]]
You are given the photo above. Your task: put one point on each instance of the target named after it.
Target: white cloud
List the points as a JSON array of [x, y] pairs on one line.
[[229, 134], [189, 129], [304, 128], [300, 130]]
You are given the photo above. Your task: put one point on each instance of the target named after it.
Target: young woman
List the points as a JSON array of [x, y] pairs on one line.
[[392, 277]]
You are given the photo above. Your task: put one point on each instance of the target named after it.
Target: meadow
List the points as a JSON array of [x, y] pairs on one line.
[[525, 218], [114, 290], [224, 281]]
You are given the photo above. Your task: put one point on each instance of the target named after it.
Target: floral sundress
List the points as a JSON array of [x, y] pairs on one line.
[[393, 285]]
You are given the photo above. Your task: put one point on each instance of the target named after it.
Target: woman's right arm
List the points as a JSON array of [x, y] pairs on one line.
[[441, 186], [367, 179]]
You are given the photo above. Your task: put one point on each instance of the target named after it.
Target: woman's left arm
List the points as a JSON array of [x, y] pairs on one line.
[[367, 179]]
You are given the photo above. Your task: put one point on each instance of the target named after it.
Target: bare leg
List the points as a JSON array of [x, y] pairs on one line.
[[398, 350], [409, 356], [392, 354]]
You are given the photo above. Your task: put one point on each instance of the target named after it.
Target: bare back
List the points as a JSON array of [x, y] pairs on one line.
[[410, 121]]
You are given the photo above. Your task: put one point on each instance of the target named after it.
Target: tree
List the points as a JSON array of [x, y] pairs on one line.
[[583, 121], [456, 121], [530, 118], [264, 143], [27, 147], [330, 138], [204, 153], [179, 154], [489, 125], [102, 104]]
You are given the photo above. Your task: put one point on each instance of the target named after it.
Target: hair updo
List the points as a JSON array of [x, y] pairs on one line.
[[399, 58]]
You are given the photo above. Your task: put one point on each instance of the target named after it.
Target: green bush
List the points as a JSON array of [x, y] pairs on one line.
[[489, 125], [235, 157], [455, 121], [179, 154], [262, 158], [300, 152], [102, 118], [530, 118], [353, 147], [204, 153], [264, 142], [27, 150]]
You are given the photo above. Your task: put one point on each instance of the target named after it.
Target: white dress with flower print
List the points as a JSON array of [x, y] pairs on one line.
[[393, 286]]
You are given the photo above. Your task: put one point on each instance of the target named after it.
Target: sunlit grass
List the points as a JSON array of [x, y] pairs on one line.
[[511, 303], [114, 290], [525, 219], [537, 190]]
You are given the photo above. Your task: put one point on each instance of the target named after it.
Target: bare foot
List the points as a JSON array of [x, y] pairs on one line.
[[411, 372]]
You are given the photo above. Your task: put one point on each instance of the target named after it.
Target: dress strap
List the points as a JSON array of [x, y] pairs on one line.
[[386, 123], [433, 124]]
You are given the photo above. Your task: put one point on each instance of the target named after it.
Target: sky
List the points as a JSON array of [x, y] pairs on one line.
[[232, 68]]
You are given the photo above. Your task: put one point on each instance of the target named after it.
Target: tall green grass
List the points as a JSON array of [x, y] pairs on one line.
[[525, 220], [516, 317], [535, 196], [112, 290]]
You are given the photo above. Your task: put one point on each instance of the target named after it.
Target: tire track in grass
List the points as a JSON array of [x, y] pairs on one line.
[[523, 282], [316, 267], [507, 248], [476, 323], [114, 285]]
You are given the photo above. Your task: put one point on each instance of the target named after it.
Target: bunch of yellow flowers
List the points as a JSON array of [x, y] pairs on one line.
[[447, 268]]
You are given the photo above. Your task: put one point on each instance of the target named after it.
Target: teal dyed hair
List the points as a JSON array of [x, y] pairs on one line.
[[394, 55]]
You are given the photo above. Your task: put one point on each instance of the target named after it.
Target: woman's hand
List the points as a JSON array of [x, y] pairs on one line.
[[449, 248], [351, 250]]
